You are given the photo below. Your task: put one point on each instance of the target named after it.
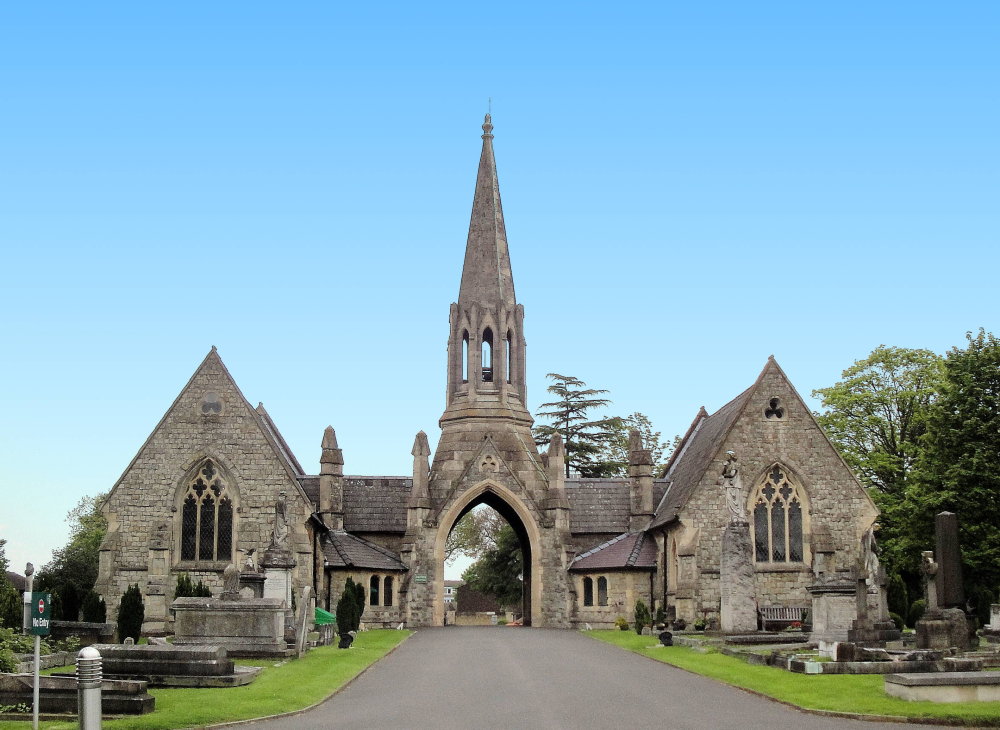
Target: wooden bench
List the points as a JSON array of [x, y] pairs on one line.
[[783, 615]]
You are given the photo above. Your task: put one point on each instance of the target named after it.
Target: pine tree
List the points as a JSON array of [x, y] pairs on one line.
[[582, 437]]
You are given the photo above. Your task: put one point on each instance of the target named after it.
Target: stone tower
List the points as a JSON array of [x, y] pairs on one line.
[[486, 454]]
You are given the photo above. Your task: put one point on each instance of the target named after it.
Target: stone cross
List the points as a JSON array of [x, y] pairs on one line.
[[929, 569]]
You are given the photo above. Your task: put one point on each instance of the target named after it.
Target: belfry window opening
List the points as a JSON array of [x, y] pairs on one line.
[[465, 357], [488, 355], [509, 342]]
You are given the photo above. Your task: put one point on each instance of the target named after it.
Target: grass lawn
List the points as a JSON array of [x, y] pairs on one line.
[[860, 694], [290, 686]]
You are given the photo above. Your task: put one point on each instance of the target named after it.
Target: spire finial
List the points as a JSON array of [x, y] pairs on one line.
[[488, 127]]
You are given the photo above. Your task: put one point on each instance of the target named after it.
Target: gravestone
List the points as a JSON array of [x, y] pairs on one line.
[[738, 611], [944, 623]]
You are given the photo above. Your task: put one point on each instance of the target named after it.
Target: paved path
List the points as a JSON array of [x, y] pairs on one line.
[[536, 678]]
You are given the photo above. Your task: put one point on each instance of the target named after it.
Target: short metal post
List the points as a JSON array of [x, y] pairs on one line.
[[88, 688]]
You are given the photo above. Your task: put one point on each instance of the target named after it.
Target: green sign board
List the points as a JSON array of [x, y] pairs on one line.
[[420, 579], [41, 614]]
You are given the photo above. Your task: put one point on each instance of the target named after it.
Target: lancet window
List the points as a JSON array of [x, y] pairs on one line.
[[207, 517], [488, 355], [588, 591], [778, 515], [509, 343], [373, 592], [465, 357]]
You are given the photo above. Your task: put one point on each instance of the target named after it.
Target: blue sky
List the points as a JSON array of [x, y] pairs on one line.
[[688, 188]]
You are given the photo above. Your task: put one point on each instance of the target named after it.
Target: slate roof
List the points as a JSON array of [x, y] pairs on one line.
[[371, 504], [350, 551], [283, 447], [635, 550], [694, 455], [602, 505]]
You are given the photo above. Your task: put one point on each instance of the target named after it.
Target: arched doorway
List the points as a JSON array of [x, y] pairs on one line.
[[519, 517]]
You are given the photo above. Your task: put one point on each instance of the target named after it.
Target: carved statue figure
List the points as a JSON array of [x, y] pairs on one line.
[[734, 488], [249, 564], [869, 556], [280, 534], [231, 582], [929, 568]]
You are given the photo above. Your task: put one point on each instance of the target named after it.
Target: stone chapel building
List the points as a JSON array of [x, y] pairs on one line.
[[215, 483]]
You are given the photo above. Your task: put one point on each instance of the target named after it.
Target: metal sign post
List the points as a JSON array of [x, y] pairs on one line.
[[41, 613]]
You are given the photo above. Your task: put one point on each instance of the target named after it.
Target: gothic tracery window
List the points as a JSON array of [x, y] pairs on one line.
[[207, 517], [777, 523]]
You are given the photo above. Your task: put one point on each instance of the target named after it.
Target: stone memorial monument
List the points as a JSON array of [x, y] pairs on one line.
[[738, 613], [944, 623], [278, 560], [872, 627], [834, 604], [245, 627]]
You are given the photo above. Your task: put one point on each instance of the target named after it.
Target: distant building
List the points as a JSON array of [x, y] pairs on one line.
[[216, 483], [451, 590]]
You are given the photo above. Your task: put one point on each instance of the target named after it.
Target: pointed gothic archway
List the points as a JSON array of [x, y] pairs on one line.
[[524, 524]]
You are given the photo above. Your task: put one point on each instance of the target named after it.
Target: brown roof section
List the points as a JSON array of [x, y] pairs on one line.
[[17, 580], [350, 551], [602, 505], [632, 550], [694, 455]]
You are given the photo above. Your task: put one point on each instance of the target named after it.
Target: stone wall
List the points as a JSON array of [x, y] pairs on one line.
[[625, 587], [373, 617]]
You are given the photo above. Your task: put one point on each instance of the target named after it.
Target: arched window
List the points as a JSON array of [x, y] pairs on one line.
[[387, 593], [602, 591], [207, 517], [373, 591], [588, 591], [465, 356], [777, 518], [487, 355], [510, 339]]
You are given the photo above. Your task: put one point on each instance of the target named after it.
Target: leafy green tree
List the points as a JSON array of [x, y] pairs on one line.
[[11, 611], [583, 437], [72, 571], [131, 613], [94, 609], [959, 466], [498, 573], [475, 533], [614, 450], [876, 416]]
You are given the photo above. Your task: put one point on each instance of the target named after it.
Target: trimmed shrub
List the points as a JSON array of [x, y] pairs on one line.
[[131, 613], [94, 609], [661, 616], [621, 623], [897, 619], [348, 613], [642, 617], [916, 611], [186, 588]]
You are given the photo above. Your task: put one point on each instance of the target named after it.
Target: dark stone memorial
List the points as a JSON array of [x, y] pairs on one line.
[[944, 624]]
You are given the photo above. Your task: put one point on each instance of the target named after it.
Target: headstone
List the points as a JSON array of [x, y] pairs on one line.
[[950, 591], [666, 638], [231, 583], [928, 571]]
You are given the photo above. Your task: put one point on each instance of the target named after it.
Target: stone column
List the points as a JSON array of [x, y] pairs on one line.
[[739, 609], [157, 580]]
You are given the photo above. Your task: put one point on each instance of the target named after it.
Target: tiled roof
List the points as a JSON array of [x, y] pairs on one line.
[[350, 551], [630, 550], [376, 504], [371, 504], [694, 455], [602, 505]]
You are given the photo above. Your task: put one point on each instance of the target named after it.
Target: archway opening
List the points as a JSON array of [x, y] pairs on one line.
[[489, 552]]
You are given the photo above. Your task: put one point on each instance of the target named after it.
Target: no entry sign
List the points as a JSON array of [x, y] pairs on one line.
[[41, 613]]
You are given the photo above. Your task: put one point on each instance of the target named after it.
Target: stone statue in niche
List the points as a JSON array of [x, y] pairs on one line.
[[869, 555], [280, 534], [734, 488]]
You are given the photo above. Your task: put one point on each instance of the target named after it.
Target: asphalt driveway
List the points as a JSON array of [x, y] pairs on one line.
[[538, 678]]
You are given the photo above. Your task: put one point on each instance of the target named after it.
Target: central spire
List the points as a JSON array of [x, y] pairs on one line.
[[486, 277]]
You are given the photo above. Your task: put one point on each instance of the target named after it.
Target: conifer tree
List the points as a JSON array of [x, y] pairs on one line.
[[583, 438], [131, 613]]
